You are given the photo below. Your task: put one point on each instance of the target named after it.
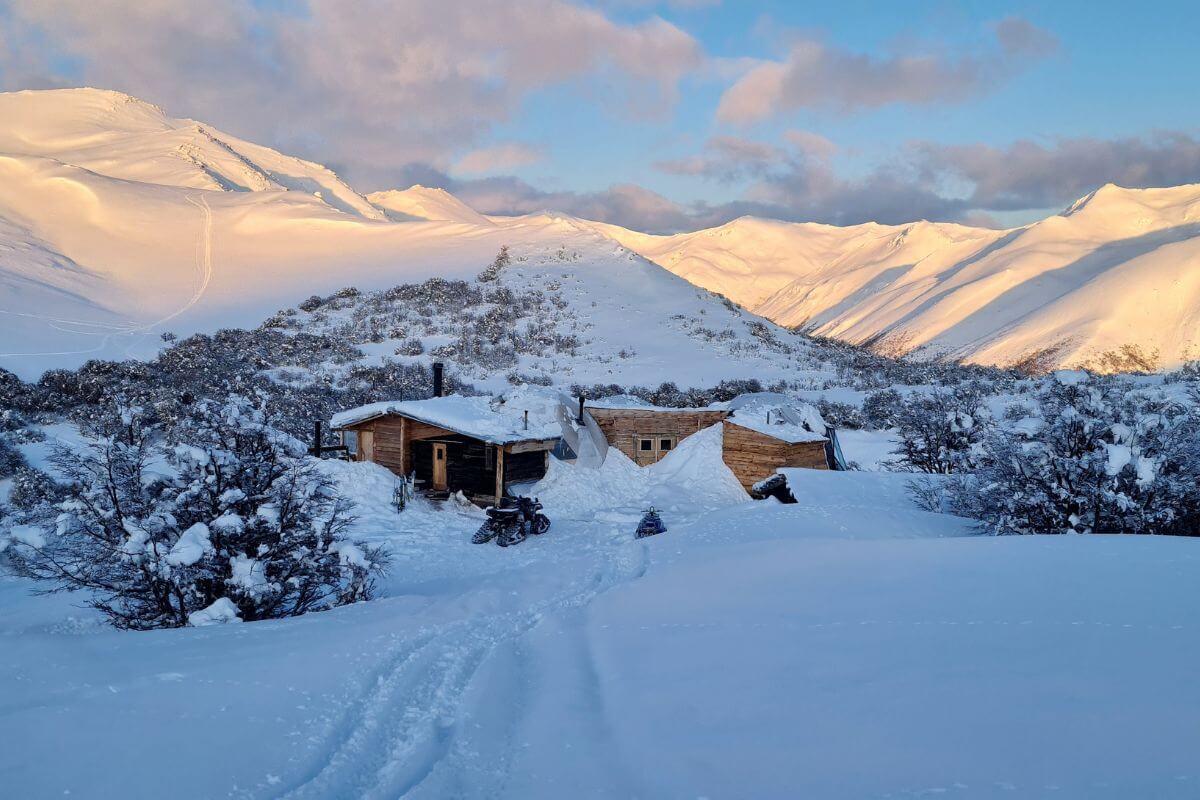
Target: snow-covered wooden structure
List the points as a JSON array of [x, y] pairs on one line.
[[479, 446], [761, 432]]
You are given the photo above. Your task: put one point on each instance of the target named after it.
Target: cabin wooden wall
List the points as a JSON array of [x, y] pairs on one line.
[[405, 446], [623, 426], [389, 444], [524, 467], [753, 456]]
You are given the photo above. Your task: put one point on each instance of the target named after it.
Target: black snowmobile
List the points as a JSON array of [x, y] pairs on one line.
[[651, 524], [512, 522]]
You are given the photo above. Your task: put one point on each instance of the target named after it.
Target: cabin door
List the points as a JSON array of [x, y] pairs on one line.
[[439, 467], [366, 445]]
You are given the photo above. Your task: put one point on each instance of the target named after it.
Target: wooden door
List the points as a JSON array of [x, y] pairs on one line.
[[366, 445], [439, 467]]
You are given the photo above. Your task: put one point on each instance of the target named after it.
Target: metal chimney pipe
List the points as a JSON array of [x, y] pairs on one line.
[[526, 419], [580, 419], [438, 369]]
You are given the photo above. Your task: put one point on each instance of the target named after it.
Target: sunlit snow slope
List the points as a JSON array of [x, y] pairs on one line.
[[118, 223], [1120, 268]]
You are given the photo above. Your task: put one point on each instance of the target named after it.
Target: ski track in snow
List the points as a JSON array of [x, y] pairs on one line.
[[404, 725], [133, 329]]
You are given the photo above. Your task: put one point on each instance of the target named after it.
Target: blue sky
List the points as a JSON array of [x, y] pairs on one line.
[[665, 116]]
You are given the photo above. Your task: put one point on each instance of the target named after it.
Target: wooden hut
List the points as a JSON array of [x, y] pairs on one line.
[[647, 433], [761, 433], [477, 445]]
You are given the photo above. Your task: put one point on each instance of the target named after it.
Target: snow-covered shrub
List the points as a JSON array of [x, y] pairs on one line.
[[940, 432], [880, 409], [1099, 456], [223, 519], [410, 347], [840, 415], [492, 271], [11, 459], [33, 489]]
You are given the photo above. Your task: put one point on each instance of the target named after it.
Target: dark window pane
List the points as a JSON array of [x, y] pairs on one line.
[[647, 444], [664, 444]]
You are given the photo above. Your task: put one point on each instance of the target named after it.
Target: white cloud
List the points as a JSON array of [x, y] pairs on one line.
[[503, 157], [817, 74]]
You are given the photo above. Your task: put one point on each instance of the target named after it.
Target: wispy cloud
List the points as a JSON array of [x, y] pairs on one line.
[[503, 157], [816, 74]]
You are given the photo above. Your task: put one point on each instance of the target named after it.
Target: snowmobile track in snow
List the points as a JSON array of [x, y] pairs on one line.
[[404, 722]]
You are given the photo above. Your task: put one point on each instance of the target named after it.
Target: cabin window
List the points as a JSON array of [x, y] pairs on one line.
[[651, 447], [439, 453], [489, 457], [350, 440]]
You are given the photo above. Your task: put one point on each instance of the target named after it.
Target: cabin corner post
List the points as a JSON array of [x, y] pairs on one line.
[[499, 473]]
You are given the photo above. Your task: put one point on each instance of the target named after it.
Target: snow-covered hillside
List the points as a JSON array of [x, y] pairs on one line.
[[1119, 269], [118, 223], [422, 202]]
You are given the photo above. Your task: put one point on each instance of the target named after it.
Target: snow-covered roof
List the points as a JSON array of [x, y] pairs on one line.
[[498, 420], [633, 403], [779, 416]]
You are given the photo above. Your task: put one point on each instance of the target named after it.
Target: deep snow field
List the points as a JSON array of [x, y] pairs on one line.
[[848, 646]]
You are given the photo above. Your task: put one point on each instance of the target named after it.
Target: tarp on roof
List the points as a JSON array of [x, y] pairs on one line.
[[779, 416]]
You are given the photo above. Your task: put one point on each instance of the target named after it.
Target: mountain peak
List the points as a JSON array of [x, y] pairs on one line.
[[427, 203]]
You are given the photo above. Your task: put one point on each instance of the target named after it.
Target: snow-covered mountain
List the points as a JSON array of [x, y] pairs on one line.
[[118, 223], [423, 203], [1111, 281]]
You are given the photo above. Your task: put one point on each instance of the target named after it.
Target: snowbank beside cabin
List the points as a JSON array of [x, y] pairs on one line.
[[693, 475]]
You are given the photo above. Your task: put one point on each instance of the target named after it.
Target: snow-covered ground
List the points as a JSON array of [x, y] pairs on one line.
[[849, 645]]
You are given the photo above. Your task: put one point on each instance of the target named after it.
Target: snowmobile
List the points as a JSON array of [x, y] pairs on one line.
[[512, 522], [651, 524]]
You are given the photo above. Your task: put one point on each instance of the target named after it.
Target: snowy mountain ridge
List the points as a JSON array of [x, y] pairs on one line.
[[111, 235], [118, 223], [1111, 282]]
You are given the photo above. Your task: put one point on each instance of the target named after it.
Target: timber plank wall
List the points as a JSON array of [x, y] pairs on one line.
[[753, 456], [622, 426]]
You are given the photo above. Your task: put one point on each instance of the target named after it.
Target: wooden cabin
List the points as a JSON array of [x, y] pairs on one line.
[[760, 433], [475, 445], [753, 456], [647, 434]]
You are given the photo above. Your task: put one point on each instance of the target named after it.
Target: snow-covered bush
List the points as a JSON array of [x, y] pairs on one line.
[[1098, 457], [493, 270], [840, 415], [223, 519], [32, 489], [940, 432], [881, 409], [11, 459]]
